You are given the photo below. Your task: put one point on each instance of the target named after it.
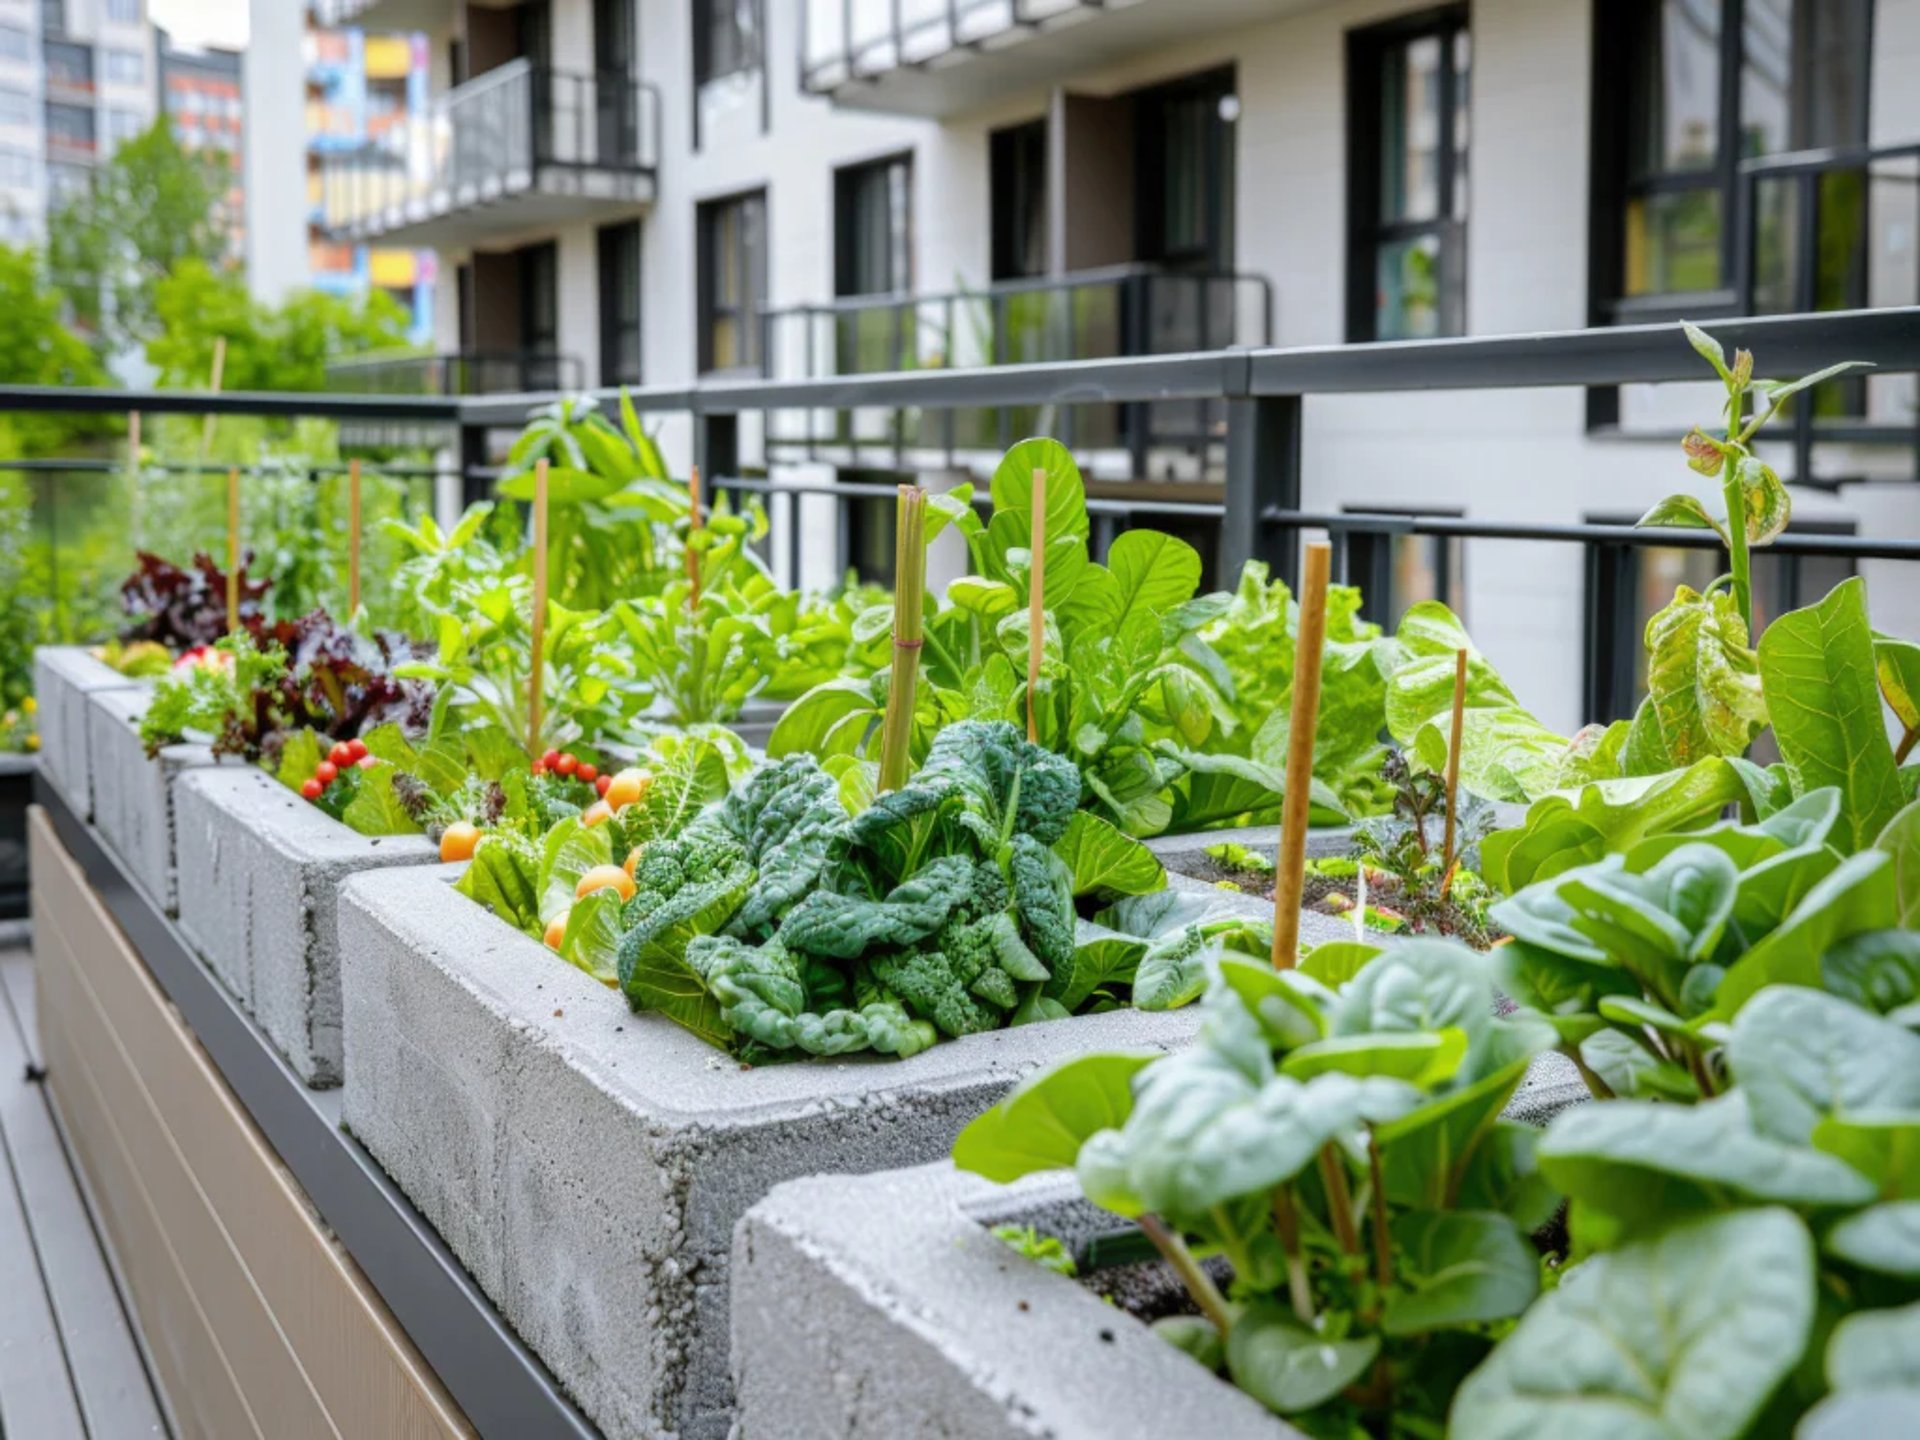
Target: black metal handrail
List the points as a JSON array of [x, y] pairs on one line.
[[516, 128]]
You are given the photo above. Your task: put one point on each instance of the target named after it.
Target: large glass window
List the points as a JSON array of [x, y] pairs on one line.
[[873, 227], [68, 64], [126, 67], [124, 12], [726, 38], [1018, 185], [70, 125], [733, 281], [1685, 91], [1410, 106], [15, 43], [620, 304]]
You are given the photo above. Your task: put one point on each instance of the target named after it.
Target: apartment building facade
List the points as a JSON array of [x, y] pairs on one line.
[[203, 97], [77, 77], [648, 192]]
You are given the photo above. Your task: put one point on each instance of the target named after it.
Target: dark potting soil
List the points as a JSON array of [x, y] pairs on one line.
[[1383, 892]]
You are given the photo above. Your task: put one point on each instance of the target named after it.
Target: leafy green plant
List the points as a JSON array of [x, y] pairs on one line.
[[222, 692], [1343, 1150]]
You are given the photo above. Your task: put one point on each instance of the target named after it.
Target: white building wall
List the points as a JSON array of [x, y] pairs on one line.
[[274, 85]]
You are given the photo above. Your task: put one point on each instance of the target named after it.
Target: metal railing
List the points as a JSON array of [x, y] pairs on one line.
[[1107, 313], [846, 41], [514, 130], [465, 372]]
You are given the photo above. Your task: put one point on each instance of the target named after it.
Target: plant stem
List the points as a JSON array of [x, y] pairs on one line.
[[1905, 748], [1601, 1090], [1382, 1246], [909, 592], [1198, 1283], [1333, 1173], [1286, 1225], [1702, 1076], [1453, 767], [1736, 501]]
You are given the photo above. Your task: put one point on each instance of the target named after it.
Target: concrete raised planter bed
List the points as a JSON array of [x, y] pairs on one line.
[[587, 1165], [16, 794], [261, 902], [63, 677], [133, 795], [883, 1305]]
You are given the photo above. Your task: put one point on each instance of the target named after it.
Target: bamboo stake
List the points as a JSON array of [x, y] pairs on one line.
[[1037, 601], [1453, 764], [537, 671], [694, 522], [233, 550], [909, 594], [353, 538], [219, 371], [1290, 870]]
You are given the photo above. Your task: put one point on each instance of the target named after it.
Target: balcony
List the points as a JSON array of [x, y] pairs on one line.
[[466, 372], [1111, 313], [384, 14], [515, 149], [945, 57]]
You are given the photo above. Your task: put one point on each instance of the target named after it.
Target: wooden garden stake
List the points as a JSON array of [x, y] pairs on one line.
[[1453, 765], [353, 537], [1291, 869], [909, 595], [537, 672], [219, 370], [693, 528], [233, 550], [1037, 601]]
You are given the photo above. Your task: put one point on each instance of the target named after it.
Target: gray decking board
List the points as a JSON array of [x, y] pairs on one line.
[[86, 1377]]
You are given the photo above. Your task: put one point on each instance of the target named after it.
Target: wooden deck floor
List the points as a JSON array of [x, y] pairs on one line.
[[69, 1364]]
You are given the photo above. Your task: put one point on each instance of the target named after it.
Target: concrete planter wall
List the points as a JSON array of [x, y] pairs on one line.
[[16, 794], [869, 1305], [261, 902], [63, 677], [588, 1165], [132, 794]]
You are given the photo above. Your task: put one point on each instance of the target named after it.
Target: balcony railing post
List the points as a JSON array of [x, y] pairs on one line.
[[1263, 472], [474, 486]]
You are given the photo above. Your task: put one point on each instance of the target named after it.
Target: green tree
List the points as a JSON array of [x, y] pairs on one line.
[[37, 348], [268, 348], [152, 207]]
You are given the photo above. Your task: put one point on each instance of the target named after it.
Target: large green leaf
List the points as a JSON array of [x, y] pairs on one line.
[[1901, 839], [375, 809], [568, 852], [1884, 1147], [1855, 898], [1287, 1367], [1106, 862], [1154, 572], [1884, 1238], [592, 938], [1802, 1056], [504, 878], [833, 718], [1817, 667], [1702, 681], [1683, 1335], [1878, 970], [1876, 1350], [1459, 1267], [1012, 488], [1044, 1122]]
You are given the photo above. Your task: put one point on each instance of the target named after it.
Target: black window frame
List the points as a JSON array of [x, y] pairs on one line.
[[619, 248], [539, 279], [742, 53], [1015, 162], [1614, 630], [1218, 179], [753, 262], [1366, 230], [1619, 27], [848, 183]]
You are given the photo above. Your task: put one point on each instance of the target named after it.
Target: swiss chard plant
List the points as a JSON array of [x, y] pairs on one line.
[[181, 607]]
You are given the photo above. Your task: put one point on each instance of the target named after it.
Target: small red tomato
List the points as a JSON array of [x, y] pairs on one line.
[[311, 790], [326, 772], [601, 786], [566, 765], [357, 750], [586, 772], [367, 762], [340, 754], [548, 760]]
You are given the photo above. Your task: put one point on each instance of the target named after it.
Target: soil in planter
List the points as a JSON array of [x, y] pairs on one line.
[[1330, 895]]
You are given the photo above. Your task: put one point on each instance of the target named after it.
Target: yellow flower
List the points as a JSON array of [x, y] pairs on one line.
[[30, 705], [33, 743]]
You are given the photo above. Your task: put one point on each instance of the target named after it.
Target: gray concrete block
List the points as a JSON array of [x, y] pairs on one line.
[[63, 677], [262, 904], [133, 795], [588, 1165], [882, 1305]]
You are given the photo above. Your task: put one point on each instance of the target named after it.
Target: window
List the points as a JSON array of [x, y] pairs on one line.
[[15, 44], [66, 182], [733, 281], [620, 304], [1017, 160], [726, 38], [1627, 585], [68, 64], [873, 228], [1396, 571], [1407, 211], [70, 125], [1183, 215], [16, 168], [539, 298], [126, 67], [123, 125], [1685, 90], [124, 12], [16, 107]]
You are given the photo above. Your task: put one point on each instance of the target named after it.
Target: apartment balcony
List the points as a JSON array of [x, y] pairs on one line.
[[517, 148], [945, 57], [384, 14], [1110, 313], [466, 372]]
